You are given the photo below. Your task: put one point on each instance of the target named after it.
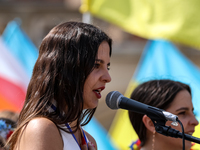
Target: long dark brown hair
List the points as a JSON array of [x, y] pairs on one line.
[[66, 57], [156, 93]]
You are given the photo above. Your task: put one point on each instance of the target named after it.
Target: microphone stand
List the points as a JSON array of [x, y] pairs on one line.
[[161, 128], [159, 122], [168, 131]]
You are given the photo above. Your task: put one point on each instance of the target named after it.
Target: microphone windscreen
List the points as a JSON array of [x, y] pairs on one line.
[[112, 99]]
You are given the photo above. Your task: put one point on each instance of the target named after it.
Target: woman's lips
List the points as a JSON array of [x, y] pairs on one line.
[[190, 132], [98, 92]]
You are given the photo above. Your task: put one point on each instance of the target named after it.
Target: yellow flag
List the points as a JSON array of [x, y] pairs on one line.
[[174, 20]]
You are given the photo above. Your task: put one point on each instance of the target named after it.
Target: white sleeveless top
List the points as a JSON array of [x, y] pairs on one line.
[[69, 141]]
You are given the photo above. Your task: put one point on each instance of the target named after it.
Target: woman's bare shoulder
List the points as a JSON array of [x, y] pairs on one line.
[[41, 124], [41, 134]]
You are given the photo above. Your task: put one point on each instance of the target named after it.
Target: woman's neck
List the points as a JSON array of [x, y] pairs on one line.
[[78, 133], [146, 147]]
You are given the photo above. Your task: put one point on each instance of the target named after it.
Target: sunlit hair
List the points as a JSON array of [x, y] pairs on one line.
[[156, 93], [66, 57]]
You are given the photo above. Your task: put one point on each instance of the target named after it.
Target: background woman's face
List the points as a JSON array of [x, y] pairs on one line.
[[182, 107], [98, 78]]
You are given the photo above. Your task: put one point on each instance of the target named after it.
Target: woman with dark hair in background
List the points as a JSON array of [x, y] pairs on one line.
[[171, 96], [67, 80]]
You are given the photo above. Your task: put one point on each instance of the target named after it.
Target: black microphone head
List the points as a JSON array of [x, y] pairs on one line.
[[112, 99]]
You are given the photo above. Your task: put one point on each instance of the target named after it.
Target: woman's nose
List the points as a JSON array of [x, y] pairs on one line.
[[106, 77], [194, 121]]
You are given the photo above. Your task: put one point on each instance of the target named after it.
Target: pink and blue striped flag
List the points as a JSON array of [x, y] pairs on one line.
[[20, 45], [18, 55]]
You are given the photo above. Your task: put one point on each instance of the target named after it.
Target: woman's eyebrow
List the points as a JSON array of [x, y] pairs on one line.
[[183, 108], [101, 61]]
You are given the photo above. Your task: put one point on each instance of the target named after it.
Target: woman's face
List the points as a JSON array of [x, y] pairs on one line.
[[183, 108], [98, 78]]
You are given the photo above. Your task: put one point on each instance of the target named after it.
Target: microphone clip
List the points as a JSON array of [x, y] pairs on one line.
[[167, 131], [160, 117], [156, 116]]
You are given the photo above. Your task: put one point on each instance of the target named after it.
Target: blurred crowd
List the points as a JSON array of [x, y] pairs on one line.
[[8, 122]]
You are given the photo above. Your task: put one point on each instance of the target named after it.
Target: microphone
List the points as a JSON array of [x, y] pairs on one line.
[[116, 100]]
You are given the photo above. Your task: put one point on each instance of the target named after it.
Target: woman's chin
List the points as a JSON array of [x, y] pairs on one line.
[[188, 145]]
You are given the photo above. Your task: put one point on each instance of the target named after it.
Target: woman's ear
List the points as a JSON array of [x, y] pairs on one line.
[[148, 123]]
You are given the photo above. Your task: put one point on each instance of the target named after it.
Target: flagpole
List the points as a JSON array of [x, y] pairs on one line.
[[87, 18]]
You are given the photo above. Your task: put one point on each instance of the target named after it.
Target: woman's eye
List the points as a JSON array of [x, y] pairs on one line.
[[182, 113], [96, 65], [194, 113], [108, 67]]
